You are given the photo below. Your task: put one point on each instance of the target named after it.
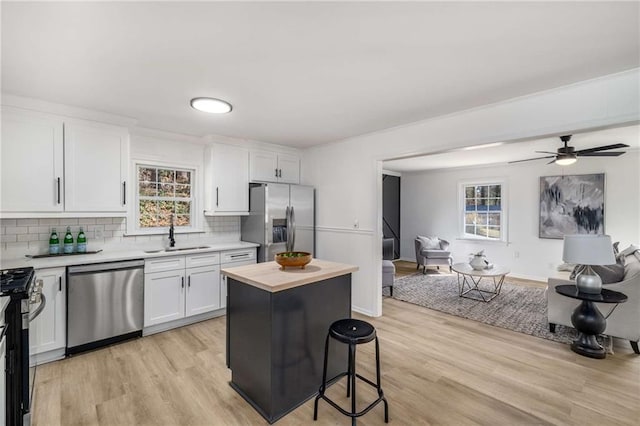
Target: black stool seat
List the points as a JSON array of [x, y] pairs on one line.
[[352, 331]]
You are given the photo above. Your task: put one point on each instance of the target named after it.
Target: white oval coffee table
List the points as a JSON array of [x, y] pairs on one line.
[[469, 280]]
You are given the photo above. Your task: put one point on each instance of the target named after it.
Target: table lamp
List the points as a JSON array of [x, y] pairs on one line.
[[588, 250]]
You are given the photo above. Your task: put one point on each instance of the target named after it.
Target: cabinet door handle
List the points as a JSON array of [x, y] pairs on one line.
[[217, 193], [276, 172], [58, 190], [124, 193], [189, 280], [280, 173], [59, 283], [182, 279]]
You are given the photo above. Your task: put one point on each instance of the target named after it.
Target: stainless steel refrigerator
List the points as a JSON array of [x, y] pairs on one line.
[[281, 219]]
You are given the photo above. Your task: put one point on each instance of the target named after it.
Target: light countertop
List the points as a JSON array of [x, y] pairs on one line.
[[269, 277], [114, 256]]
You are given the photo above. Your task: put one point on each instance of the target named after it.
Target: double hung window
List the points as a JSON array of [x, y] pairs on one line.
[[161, 192], [483, 215]]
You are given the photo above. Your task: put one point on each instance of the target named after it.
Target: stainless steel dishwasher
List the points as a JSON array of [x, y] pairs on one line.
[[104, 304]]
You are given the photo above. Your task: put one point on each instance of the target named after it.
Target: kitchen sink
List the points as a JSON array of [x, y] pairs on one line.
[[186, 248], [171, 249]]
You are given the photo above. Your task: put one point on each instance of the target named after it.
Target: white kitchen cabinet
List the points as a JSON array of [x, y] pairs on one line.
[[203, 290], [48, 331], [230, 259], [226, 180], [164, 296], [95, 167], [32, 163], [51, 164], [173, 291], [267, 166]]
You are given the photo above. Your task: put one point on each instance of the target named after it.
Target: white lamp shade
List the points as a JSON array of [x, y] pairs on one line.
[[588, 250]]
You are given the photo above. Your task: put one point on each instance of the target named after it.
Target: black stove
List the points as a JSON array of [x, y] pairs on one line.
[[27, 302], [16, 280]]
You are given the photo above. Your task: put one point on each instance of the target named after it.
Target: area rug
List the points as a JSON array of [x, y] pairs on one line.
[[517, 307]]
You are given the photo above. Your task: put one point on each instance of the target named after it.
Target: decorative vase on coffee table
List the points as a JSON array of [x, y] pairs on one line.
[[478, 262]]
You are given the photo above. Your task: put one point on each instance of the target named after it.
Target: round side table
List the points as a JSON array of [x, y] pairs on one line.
[[588, 320]]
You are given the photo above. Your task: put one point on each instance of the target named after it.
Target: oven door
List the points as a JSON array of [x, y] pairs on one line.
[[31, 308]]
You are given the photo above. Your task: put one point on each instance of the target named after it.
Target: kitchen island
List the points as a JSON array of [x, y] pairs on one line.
[[277, 323]]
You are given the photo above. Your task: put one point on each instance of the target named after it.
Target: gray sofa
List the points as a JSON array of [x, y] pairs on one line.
[[624, 321], [428, 255]]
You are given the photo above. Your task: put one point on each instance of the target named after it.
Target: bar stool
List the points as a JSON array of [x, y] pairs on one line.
[[351, 332]]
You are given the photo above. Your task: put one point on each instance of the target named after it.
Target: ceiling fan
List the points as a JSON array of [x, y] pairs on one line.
[[567, 155]]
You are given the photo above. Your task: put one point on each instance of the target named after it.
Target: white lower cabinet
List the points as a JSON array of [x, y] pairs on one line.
[[203, 290], [181, 292], [164, 297], [48, 331]]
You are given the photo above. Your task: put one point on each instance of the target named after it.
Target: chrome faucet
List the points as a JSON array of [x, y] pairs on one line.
[[172, 240]]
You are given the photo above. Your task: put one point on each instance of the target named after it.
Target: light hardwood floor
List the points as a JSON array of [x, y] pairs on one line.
[[437, 369]]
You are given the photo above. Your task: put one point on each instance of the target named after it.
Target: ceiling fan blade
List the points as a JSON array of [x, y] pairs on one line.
[[551, 162], [546, 152], [600, 154], [602, 148], [531, 159]]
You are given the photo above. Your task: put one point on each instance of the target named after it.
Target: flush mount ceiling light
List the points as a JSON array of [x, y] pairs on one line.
[[211, 105]]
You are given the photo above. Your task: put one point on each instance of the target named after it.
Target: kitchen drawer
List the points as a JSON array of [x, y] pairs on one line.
[[164, 264], [204, 259], [238, 255]]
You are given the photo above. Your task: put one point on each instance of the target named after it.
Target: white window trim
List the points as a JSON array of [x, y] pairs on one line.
[[504, 202], [196, 185]]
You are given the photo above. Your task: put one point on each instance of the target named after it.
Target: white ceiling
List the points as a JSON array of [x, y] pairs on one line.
[[514, 151], [305, 73]]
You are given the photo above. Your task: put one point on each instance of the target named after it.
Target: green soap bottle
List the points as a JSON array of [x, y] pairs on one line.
[[81, 246], [54, 242], [68, 241]]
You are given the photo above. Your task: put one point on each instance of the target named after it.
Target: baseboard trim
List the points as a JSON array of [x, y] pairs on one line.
[[159, 328], [364, 311]]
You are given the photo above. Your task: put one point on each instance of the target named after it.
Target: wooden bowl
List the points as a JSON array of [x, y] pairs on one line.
[[293, 259]]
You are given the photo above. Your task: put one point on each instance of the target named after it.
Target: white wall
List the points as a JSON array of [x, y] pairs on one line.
[[430, 206], [347, 174]]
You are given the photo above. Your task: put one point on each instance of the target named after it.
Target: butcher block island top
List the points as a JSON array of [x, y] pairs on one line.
[[268, 276]]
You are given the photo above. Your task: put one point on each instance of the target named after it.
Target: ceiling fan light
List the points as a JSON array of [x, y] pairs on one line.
[[211, 105], [565, 160]]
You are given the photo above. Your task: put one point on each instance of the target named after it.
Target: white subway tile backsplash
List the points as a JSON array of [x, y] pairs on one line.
[[13, 230], [39, 229], [28, 237], [8, 238], [32, 235]]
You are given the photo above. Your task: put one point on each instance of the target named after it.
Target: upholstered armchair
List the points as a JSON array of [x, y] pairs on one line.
[[388, 268], [624, 321], [432, 251]]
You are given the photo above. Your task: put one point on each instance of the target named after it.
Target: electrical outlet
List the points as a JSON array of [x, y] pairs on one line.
[[98, 233], [356, 224], [516, 254]]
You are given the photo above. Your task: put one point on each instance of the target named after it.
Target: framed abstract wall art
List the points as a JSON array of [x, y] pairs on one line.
[[571, 205]]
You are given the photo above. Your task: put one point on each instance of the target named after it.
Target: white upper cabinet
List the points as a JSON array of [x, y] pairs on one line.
[[274, 167], [226, 180], [51, 164], [32, 161], [289, 166], [95, 167]]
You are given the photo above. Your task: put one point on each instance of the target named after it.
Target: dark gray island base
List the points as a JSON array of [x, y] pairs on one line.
[[275, 341]]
